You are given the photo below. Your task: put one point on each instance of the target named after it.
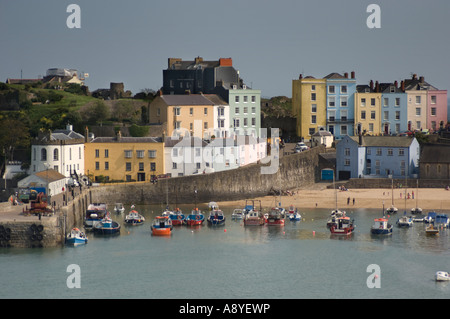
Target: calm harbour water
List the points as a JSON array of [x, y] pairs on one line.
[[299, 260]]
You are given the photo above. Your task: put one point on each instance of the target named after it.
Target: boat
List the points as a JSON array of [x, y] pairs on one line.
[[216, 218], [442, 276], [381, 226], [177, 217], [134, 218], [431, 230], [253, 217], [94, 214], [343, 226], [405, 221], [238, 213], [276, 216], [76, 237], [417, 209], [418, 219], [295, 217], [335, 214], [119, 208], [107, 226], [441, 220], [430, 217], [162, 226], [195, 218], [392, 210]]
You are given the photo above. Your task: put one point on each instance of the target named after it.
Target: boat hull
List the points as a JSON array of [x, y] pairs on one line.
[[165, 231], [341, 231], [114, 228], [134, 222], [76, 241], [216, 222], [442, 276], [275, 222], [254, 222], [381, 231]]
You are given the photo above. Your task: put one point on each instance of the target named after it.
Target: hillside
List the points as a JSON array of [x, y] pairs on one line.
[[278, 106]]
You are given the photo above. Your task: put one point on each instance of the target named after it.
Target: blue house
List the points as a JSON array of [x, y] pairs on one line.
[[377, 156], [393, 109], [340, 104]]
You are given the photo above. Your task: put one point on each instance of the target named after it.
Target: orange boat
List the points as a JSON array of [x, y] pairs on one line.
[[162, 226]]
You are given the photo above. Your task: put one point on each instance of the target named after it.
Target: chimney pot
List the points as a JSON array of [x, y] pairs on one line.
[[346, 75], [353, 74]]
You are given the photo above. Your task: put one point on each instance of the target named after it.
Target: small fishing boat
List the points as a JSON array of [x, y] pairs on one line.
[[237, 214], [162, 226], [335, 214], [134, 218], [177, 217], [119, 208], [107, 226], [405, 221], [94, 214], [392, 210], [195, 218], [343, 226], [253, 217], [442, 276], [416, 210], [216, 218], [381, 226], [276, 217], [295, 217], [430, 217], [431, 230], [441, 220], [76, 237]]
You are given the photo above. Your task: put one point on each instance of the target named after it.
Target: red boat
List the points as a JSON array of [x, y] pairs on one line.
[[276, 217], [343, 226], [253, 217], [195, 218]]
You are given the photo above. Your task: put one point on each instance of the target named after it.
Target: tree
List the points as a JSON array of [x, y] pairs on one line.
[[95, 113], [14, 133]]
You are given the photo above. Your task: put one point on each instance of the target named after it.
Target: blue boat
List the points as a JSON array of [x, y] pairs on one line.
[[430, 217], [381, 227], [94, 213], [107, 226], [177, 217], [441, 220], [76, 237], [216, 218], [194, 218]]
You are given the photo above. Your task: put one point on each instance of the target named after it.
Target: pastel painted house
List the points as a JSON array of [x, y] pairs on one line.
[[377, 157]]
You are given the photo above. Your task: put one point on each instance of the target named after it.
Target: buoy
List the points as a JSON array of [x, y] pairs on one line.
[[224, 230], [314, 233]]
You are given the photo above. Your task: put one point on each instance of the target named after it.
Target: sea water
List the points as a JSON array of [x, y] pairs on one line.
[[299, 260]]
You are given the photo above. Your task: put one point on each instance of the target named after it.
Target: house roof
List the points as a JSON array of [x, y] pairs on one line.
[[185, 142], [186, 99], [418, 84], [127, 140], [384, 141], [334, 75], [322, 133], [435, 154]]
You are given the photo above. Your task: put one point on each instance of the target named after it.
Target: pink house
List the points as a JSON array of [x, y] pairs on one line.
[[436, 109]]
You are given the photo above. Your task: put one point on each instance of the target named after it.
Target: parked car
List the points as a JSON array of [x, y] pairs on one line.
[[300, 147]]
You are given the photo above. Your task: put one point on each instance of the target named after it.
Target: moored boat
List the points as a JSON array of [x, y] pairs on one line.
[[335, 214], [119, 208], [392, 210], [381, 226], [431, 230], [254, 216], [162, 226], [107, 226], [276, 217], [216, 218], [441, 220], [237, 214], [177, 217], [416, 210], [195, 218], [343, 226], [94, 214], [430, 217], [442, 276], [76, 237], [405, 221], [134, 218], [295, 217]]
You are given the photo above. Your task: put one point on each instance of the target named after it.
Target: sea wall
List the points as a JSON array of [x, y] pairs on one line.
[[292, 171]]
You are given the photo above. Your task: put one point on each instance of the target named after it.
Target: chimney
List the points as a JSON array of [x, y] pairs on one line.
[[300, 76], [160, 93], [198, 60], [353, 74], [402, 85], [422, 79], [119, 135], [414, 77], [377, 87], [346, 75], [225, 62], [86, 134], [395, 84], [371, 84]]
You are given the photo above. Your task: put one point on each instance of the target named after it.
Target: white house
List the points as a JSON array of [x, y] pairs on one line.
[[61, 150], [322, 138], [184, 156], [49, 181]]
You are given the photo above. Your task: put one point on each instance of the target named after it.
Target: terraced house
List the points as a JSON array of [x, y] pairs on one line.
[[124, 158], [368, 109]]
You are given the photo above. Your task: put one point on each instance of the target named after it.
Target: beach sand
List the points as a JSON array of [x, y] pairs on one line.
[[321, 197]]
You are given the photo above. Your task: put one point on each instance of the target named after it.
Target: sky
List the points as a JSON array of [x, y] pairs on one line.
[[271, 42]]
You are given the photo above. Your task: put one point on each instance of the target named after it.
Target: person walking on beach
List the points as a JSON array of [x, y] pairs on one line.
[[353, 200]]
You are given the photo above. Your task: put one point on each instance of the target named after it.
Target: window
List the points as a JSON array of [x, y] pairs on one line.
[[174, 165], [313, 87], [152, 154], [205, 125], [344, 89], [313, 96], [331, 101], [312, 131], [106, 153], [331, 89], [401, 152], [397, 115], [331, 116], [153, 167], [433, 99], [433, 111], [344, 115], [191, 111], [418, 124], [343, 101], [55, 154], [158, 112], [397, 101], [363, 115], [106, 166], [313, 108], [313, 119], [397, 128], [245, 98], [344, 130], [253, 110], [176, 111], [378, 152], [372, 102], [245, 121], [418, 111], [140, 154], [363, 102], [253, 121], [245, 110], [205, 111], [347, 151], [236, 110], [236, 99], [253, 99], [370, 127], [97, 165], [418, 99], [385, 101], [128, 153], [141, 166], [386, 115], [128, 166], [390, 152], [43, 154], [372, 115], [347, 162]]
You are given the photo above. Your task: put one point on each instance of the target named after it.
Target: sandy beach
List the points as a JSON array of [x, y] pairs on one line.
[[321, 197]]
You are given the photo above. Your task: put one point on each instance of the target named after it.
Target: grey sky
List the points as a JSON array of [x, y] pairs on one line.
[[271, 42]]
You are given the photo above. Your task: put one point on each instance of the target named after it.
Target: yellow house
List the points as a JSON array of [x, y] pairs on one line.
[[193, 113], [309, 104], [124, 158], [367, 110]]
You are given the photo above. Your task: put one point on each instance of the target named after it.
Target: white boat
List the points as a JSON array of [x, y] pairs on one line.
[[237, 214], [295, 217], [442, 276], [134, 218], [416, 210], [405, 221], [335, 214], [392, 210], [76, 237], [119, 208]]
